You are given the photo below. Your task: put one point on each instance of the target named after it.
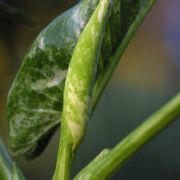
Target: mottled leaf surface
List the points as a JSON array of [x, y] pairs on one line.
[[36, 96]]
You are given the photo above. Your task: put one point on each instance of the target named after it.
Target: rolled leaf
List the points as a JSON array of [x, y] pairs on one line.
[[81, 75]]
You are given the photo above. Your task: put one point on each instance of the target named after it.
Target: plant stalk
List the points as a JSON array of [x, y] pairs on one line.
[[64, 162], [109, 164]]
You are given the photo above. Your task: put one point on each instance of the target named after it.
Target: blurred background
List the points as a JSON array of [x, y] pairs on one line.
[[147, 76]]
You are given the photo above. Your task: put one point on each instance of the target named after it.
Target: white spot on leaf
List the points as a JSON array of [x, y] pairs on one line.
[[49, 82], [41, 43], [101, 11]]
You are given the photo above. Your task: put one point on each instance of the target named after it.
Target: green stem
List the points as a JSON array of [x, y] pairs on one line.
[[8, 169], [106, 74], [134, 141], [65, 153], [4, 171], [5, 163], [64, 162]]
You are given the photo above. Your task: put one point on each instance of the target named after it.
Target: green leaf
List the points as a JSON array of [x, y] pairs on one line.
[[8, 169], [36, 96]]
